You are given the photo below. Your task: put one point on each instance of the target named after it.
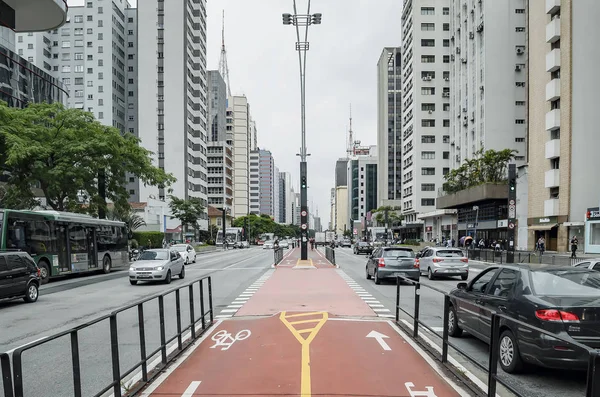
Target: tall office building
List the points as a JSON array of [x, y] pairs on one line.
[[217, 107], [563, 83], [285, 201], [239, 123], [94, 55], [173, 93], [262, 183], [362, 185], [425, 107], [389, 138], [488, 72]]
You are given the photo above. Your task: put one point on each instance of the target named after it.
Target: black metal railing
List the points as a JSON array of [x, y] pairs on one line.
[[497, 320], [330, 255], [118, 375], [277, 255], [488, 255]]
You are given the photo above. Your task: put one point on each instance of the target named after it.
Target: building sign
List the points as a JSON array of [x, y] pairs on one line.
[[503, 223], [545, 220], [592, 214], [428, 228]]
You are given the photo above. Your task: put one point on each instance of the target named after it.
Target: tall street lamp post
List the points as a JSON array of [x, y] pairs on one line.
[[304, 20]]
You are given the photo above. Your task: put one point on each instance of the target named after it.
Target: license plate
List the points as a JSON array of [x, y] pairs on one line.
[[400, 274], [144, 276]]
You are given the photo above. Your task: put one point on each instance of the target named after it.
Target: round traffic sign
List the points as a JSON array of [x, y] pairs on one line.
[[512, 207], [303, 213], [304, 226], [511, 202], [511, 225]]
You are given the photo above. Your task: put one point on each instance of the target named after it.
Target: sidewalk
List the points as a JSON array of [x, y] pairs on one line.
[[304, 333]]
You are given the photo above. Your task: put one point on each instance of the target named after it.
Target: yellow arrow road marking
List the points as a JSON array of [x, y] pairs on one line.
[[305, 386]]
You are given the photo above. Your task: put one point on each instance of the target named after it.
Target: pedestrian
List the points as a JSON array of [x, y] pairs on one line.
[[574, 243]]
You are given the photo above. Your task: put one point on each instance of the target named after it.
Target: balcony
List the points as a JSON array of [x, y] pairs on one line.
[[552, 178], [553, 149], [553, 60], [552, 6], [553, 90], [553, 120], [553, 30], [35, 15], [551, 207]]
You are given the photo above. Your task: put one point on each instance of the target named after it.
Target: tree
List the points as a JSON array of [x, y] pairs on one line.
[[62, 151], [393, 217], [132, 220], [188, 211], [264, 224]]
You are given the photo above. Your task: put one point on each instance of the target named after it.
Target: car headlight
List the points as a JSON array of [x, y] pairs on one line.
[[159, 268], [132, 269]]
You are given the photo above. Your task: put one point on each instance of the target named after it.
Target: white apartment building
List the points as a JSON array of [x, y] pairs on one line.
[[389, 131], [94, 55], [239, 123], [425, 107], [219, 169], [488, 73], [362, 185], [173, 94], [563, 123]]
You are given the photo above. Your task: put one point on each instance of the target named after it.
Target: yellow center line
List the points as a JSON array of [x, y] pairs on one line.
[[305, 321], [305, 384], [303, 314]]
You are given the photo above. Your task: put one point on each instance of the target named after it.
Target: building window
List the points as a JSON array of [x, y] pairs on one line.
[[427, 11], [428, 171], [78, 31], [446, 11], [427, 155], [100, 115], [520, 121], [78, 43], [446, 43], [428, 26], [79, 81], [100, 10], [65, 44], [78, 18], [446, 155], [427, 202], [427, 90], [520, 11], [427, 58], [428, 139], [428, 107], [446, 58], [428, 123], [100, 36], [520, 103], [445, 171], [519, 139], [446, 123], [519, 29], [446, 27], [427, 43], [427, 187], [130, 32], [446, 139], [66, 68], [520, 84]]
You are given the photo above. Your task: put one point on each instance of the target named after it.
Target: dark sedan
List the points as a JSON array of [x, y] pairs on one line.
[[362, 247], [389, 262], [561, 300]]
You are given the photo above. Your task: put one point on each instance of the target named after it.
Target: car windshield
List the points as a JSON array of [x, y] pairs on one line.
[[571, 282], [180, 248], [449, 253], [363, 244], [154, 256], [398, 254]]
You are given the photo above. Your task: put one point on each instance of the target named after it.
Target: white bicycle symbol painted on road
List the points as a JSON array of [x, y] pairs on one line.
[[226, 339]]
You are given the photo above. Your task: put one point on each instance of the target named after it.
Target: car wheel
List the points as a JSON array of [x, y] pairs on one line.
[[430, 274], [508, 353], [133, 282], [187, 261], [194, 261], [106, 264], [377, 279], [367, 272], [453, 328], [168, 278], [32, 293], [182, 273], [44, 271], [464, 277]]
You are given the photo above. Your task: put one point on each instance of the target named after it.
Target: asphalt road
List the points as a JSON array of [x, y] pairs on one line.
[[69, 303], [538, 382]]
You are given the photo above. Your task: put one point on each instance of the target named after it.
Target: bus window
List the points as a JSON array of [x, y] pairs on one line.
[[15, 238], [77, 239], [37, 237]]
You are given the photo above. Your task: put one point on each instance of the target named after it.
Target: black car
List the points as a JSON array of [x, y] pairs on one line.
[[362, 247], [561, 300], [19, 276]]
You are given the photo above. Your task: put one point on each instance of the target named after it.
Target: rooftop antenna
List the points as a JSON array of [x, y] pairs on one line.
[[350, 136], [223, 68]]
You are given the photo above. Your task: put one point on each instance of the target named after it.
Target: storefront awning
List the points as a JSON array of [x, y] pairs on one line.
[[543, 227]]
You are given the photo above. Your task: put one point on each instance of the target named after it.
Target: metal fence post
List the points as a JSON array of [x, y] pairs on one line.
[[142, 332], [6, 375], [202, 304], [397, 298], [445, 330], [192, 314], [163, 336], [75, 363], [593, 375], [114, 349], [210, 300], [493, 356], [178, 316], [417, 307]]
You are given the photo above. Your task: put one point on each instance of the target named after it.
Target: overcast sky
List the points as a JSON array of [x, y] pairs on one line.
[[341, 70]]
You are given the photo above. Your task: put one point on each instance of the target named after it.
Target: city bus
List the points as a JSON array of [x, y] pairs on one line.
[[233, 235], [64, 243]]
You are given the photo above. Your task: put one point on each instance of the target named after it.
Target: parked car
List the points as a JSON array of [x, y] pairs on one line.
[[561, 300], [187, 252], [157, 265], [389, 262], [268, 245], [593, 264], [345, 244], [19, 276], [284, 244], [363, 247], [440, 261]]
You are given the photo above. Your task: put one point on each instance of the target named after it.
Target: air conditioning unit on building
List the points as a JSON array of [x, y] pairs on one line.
[[471, 35], [463, 60]]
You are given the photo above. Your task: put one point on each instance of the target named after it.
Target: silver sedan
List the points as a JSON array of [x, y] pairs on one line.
[[157, 265]]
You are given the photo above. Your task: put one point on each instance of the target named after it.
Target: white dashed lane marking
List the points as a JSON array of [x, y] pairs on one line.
[[244, 297], [373, 303]]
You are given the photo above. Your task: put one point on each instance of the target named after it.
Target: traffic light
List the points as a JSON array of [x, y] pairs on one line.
[[303, 183], [512, 185], [287, 19]]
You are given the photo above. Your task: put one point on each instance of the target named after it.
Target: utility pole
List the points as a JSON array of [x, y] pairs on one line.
[[512, 212]]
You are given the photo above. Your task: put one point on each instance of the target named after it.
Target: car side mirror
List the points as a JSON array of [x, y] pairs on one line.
[[462, 286]]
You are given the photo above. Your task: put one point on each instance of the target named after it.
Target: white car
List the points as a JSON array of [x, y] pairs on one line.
[[157, 265], [187, 252], [268, 245], [284, 244]]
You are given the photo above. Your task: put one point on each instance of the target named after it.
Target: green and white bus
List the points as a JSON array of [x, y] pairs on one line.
[[63, 242]]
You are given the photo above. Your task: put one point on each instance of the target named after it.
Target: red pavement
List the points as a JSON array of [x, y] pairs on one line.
[[304, 348]]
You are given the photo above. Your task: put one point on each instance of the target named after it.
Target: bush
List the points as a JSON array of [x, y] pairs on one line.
[[133, 244], [156, 239], [411, 242]]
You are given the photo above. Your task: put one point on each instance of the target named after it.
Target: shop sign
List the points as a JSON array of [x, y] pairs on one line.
[[593, 214], [545, 220], [503, 223]]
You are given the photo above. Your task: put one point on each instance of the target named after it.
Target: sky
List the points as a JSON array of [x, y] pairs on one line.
[[341, 70]]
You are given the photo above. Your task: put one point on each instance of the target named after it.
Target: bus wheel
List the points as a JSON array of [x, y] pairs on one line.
[[44, 271], [106, 264]]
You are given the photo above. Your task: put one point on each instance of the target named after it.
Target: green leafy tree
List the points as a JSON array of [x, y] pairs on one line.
[[188, 211], [63, 151], [265, 224], [393, 217]]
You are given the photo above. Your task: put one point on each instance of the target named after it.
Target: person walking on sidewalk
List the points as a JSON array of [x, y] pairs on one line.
[[574, 243]]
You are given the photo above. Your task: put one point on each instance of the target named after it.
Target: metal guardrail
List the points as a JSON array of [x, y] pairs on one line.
[[493, 256], [277, 256], [330, 255], [118, 375], [497, 319]]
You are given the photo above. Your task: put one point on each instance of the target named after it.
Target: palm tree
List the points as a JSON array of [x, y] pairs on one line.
[[132, 220]]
